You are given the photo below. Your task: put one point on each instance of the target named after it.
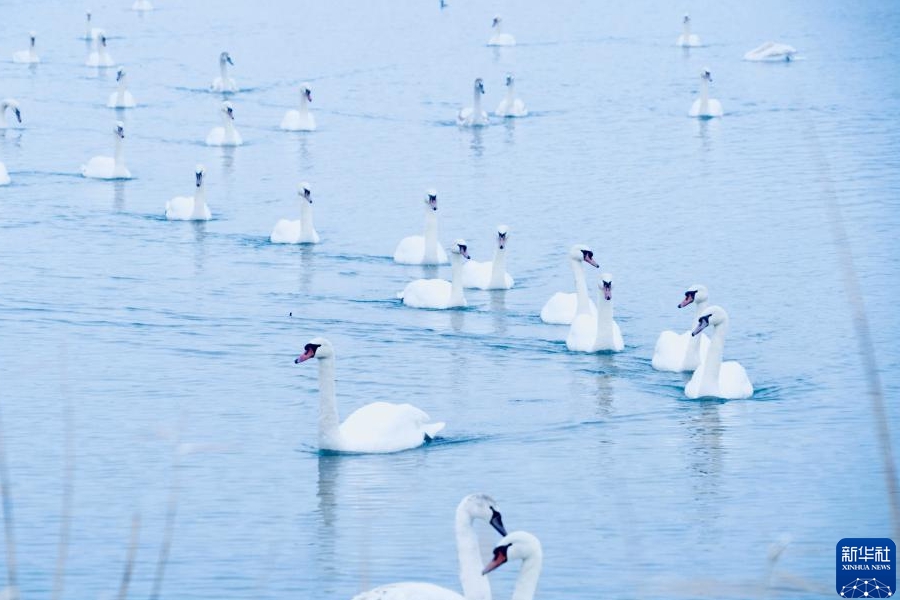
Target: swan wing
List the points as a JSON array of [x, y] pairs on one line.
[[560, 308], [99, 167], [410, 250], [216, 136], [427, 293], [286, 232], [477, 274], [733, 381], [409, 590], [582, 333], [180, 208], [669, 352], [387, 427]]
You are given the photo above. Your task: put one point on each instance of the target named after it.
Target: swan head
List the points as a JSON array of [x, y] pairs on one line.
[[120, 74], [225, 58], [32, 35], [14, 105], [605, 285], [695, 293], [706, 75], [306, 91], [460, 247], [583, 253], [479, 85], [502, 236], [316, 348], [714, 315], [686, 20], [119, 130], [510, 79], [103, 39], [304, 191], [198, 173], [482, 506], [518, 545], [496, 22], [228, 110], [431, 199], [87, 14]]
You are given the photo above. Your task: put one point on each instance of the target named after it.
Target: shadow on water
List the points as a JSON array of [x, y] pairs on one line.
[[303, 157], [307, 268], [604, 391], [477, 144], [119, 195], [703, 431], [228, 160], [200, 248], [498, 311], [509, 125], [326, 494]]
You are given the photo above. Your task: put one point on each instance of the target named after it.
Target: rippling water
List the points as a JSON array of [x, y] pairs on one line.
[[157, 334]]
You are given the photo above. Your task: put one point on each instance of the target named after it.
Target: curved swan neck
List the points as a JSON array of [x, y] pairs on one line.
[[526, 582], [583, 305], [475, 586], [714, 356], [498, 268], [329, 422], [306, 219], [456, 284], [431, 236]]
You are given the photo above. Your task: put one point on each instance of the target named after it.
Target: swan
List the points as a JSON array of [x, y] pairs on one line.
[[523, 546], [704, 106], [473, 116], [714, 378], [121, 98], [108, 167], [490, 275], [771, 52], [223, 83], [423, 249], [90, 33], [300, 120], [190, 208], [374, 428], [561, 308], [99, 57], [4, 175], [226, 135], [687, 39], [511, 106], [600, 333], [439, 293], [682, 352], [142, 5], [499, 38], [301, 231], [475, 585], [27, 56], [9, 104]]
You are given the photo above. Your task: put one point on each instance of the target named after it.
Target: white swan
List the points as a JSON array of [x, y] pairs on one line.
[[511, 106], [561, 308], [490, 275], [226, 135], [9, 104], [121, 98], [190, 208], [109, 167], [704, 106], [224, 83], [301, 231], [473, 116], [499, 38], [682, 352], [142, 5], [27, 56], [4, 175], [300, 120], [374, 428], [439, 293], [99, 56], [90, 33], [687, 39], [771, 52], [523, 546], [600, 333], [475, 585], [714, 378], [423, 249]]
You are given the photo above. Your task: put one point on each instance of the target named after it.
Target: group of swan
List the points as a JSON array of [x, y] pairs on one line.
[[190, 208], [109, 167], [301, 231], [27, 56], [510, 106]]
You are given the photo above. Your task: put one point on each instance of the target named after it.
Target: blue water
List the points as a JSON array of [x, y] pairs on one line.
[[156, 334]]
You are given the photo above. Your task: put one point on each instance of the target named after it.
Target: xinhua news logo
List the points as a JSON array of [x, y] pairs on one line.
[[866, 568]]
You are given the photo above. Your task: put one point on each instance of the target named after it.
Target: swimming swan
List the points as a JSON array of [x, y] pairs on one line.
[[714, 378], [682, 352], [300, 120], [439, 293], [475, 585], [27, 56], [190, 208], [600, 333], [511, 106], [223, 83], [10, 104], [378, 427], [473, 116], [490, 275], [109, 167], [226, 135], [423, 249], [771, 52], [90, 33], [687, 39], [99, 56], [523, 546], [301, 231], [4, 175], [121, 98], [705, 107], [562, 307], [142, 5], [499, 38]]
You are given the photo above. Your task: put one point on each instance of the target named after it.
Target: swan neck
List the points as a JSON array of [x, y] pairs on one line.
[[475, 586], [304, 104], [456, 284], [431, 236], [687, 32], [704, 96], [223, 71], [306, 219], [713, 362], [526, 582], [476, 103], [511, 93], [583, 306], [199, 202], [329, 422], [604, 315], [498, 268]]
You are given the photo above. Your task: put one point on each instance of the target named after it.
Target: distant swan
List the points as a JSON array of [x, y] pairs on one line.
[[226, 135], [190, 208], [490, 275], [142, 5], [473, 116], [511, 106], [300, 120], [90, 33], [423, 249], [683, 352], [499, 38], [771, 52], [99, 57], [704, 106], [121, 98], [523, 546], [301, 231], [378, 427], [12, 105], [224, 83], [600, 333], [439, 293], [4, 175], [687, 39], [714, 378], [562, 307], [109, 167], [27, 56]]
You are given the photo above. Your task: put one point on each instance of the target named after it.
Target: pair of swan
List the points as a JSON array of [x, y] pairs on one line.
[[440, 293], [423, 249], [705, 107], [771, 52], [27, 56], [224, 83], [121, 98], [499, 38], [190, 208], [687, 39], [598, 331], [378, 427], [490, 275], [511, 106], [109, 167], [301, 231], [12, 105], [683, 352], [99, 55], [226, 135], [302, 119]]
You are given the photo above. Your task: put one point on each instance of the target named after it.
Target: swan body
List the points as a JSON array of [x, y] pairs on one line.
[[142, 5], [379, 427], [439, 293], [11, 105], [109, 167], [562, 307], [520, 545], [600, 332], [511, 106], [301, 231], [499, 38], [224, 83], [190, 208], [474, 116], [90, 33], [687, 39], [714, 378], [226, 135], [771, 52], [4, 175], [705, 107], [302, 119], [27, 56], [490, 275], [423, 249], [683, 352], [121, 98], [99, 56]]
